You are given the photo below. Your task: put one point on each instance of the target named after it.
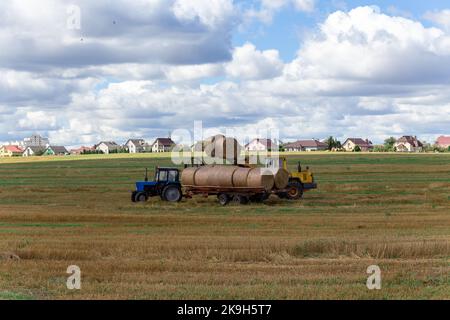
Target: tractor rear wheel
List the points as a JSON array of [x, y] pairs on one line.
[[223, 199], [294, 191], [172, 194], [140, 197], [133, 196]]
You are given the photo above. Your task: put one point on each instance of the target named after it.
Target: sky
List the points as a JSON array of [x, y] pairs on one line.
[[82, 71]]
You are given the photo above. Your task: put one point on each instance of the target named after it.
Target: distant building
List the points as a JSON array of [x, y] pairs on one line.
[[36, 141], [56, 151], [10, 151], [33, 151], [137, 146], [305, 145], [443, 142], [81, 150], [261, 145], [408, 144], [163, 145], [351, 143], [107, 147]]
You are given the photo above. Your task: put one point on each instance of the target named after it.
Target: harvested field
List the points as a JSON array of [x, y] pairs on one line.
[[392, 210]]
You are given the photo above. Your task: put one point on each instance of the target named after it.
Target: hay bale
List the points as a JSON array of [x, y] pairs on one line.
[[222, 176], [240, 177], [223, 148], [202, 174], [188, 176], [281, 178], [258, 179]]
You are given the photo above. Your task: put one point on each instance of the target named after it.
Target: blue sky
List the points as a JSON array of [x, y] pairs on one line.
[[309, 68]]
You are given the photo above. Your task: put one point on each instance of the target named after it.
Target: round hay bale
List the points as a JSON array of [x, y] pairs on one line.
[[240, 177], [202, 175], [281, 178], [210, 145], [222, 176], [256, 179], [223, 148], [188, 176]]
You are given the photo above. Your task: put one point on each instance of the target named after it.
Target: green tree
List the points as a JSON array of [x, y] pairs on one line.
[[333, 143], [389, 144], [357, 149]]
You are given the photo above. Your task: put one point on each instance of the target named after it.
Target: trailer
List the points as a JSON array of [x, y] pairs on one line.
[[236, 195], [168, 187]]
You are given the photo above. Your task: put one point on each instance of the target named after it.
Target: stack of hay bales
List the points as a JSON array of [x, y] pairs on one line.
[[228, 151], [222, 148]]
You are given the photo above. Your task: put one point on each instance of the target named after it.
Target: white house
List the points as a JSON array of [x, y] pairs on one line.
[[408, 144], [351, 143], [261, 145], [163, 145], [107, 147], [137, 146], [32, 151]]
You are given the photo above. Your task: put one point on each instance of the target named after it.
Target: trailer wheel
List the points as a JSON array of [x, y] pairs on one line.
[[223, 199], [140, 197], [239, 199], [172, 194]]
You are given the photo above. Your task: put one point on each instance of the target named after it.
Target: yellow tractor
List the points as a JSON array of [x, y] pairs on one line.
[[300, 181]]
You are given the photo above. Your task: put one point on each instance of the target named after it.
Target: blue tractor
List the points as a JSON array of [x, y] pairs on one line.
[[165, 185]]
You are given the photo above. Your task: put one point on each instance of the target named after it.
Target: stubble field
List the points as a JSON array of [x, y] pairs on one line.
[[391, 210]]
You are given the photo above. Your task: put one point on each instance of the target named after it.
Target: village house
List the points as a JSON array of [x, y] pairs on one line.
[[33, 151], [82, 150], [443, 142], [107, 147], [137, 146], [351, 145], [10, 151], [305, 145], [261, 145], [408, 144], [56, 151], [163, 145]]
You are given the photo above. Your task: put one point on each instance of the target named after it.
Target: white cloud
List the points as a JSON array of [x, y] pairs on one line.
[[367, 46], [249, 63], [37, 120], [305, 5], [145, 31], [268, 8], [441, 18]]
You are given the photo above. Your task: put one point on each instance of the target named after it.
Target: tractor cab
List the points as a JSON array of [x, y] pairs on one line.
[[166, 184]]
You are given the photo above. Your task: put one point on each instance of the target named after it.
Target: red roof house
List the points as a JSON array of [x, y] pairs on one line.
[[443, 142]]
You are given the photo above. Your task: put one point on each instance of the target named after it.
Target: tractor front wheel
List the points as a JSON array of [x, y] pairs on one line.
[[140, 197]]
